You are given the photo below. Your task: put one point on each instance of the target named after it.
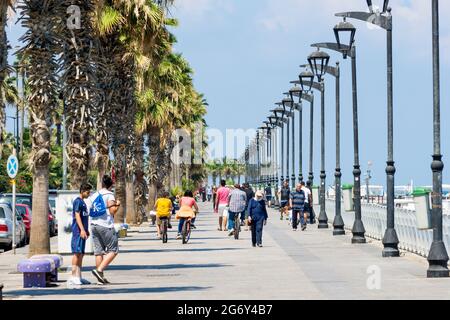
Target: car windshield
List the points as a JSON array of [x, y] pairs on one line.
[[19, 199], [21, 210], [52, 203]]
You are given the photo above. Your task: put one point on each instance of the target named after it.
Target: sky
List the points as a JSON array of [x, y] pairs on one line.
[[245, 53]]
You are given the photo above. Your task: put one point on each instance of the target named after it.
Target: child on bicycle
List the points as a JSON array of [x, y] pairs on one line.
[[187, 207], [163, 208]]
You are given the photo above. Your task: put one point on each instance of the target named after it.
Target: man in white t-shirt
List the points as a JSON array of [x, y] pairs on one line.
[[308, 203], [104, 236]]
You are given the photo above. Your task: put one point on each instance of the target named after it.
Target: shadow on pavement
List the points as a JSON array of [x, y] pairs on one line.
[[160, 267], [178, 250], [101, 290]]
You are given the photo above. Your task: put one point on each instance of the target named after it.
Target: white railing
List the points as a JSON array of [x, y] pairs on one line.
[[374, 218]]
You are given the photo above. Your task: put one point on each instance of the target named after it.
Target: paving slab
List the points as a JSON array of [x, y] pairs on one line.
[[307, 265]]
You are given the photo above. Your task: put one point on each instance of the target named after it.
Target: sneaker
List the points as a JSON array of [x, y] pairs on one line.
[[231, 233], [294, 229], [77, 281], [178, 236], [281, 218], [260, 245], [85, 282], [254, 245], [99, 276], [72, 285], [169, 226], [304, 227], [193, 226]]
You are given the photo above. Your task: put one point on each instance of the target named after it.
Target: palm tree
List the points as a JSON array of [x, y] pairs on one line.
[[5, 5], [9, 95], [40, 47], [78, 61]]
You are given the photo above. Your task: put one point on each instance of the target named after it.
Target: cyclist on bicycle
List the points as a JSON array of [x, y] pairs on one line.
[[188, 209], [163, 208], [237, 202]]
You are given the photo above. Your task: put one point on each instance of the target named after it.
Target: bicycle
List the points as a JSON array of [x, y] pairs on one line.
[[237, 226], [186, 231], [164, 228]]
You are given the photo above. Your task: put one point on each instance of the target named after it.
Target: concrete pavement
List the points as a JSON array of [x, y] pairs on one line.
[[292, 265]]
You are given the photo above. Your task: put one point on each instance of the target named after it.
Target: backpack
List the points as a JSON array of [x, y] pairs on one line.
[[98, 207]]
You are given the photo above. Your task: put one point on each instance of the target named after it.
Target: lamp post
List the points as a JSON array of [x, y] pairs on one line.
[[288, 104], [438, 257], [338, 223], [368, 177], [279, 114], [294, 92], [342, 28], [384, 20], [323, 219], [306, 79]]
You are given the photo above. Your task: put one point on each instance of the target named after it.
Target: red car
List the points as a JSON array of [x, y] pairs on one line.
[[25, 211]]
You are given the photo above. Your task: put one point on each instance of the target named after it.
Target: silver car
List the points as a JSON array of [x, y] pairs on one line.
[[6, 224]]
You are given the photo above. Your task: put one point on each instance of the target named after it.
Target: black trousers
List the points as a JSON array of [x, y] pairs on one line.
[[257, 230]]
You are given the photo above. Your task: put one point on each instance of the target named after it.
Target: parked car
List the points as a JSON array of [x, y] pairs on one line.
[[6, 228], [52, 202], [26, 213], [27, 199]]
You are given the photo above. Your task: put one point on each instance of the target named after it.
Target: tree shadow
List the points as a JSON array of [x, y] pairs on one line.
[[101, 290], [178, 250], [160, 267]]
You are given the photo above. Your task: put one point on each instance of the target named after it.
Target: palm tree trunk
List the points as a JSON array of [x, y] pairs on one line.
[[39, 236], [22, 114], [120, 192], [131, 209], [3, 64], [154, 143]]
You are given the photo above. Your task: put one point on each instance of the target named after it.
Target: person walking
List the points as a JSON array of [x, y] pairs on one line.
[[221, 204], [188, 210], [284, 196], [250, 195], [104, 236], [80, 234], [308, 201], [237, 202], [208, 193], [297, 204], [214, 196], [268, 192], [257, 217]]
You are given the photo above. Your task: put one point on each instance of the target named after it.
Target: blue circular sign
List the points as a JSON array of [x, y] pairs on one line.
[[12, 166]]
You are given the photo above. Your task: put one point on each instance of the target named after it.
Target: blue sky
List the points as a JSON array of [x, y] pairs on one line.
[[244, 54]]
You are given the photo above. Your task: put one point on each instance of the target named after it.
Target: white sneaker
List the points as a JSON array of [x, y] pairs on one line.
[[71, 284], [77, 281]]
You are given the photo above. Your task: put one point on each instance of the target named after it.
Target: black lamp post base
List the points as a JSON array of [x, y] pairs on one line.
[[438, 259], [390, 242], [338, 232], [323, 225], [390, 252], [338, 225], [358, 239]]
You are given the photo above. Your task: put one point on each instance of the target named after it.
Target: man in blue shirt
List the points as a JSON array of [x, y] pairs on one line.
[[80, 233], [297, 204]]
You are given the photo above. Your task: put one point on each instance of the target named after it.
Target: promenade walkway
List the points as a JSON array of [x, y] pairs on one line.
[[291, 265]]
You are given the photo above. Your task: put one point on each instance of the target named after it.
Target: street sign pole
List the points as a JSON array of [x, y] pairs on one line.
[[12, 167], [14, 213]]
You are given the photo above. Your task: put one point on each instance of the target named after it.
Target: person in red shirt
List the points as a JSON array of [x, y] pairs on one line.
[[221, 204]]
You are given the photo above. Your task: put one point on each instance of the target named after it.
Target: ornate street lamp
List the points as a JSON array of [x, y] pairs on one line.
[[318, 61], [298, 92], [383, 20], [306, 79]]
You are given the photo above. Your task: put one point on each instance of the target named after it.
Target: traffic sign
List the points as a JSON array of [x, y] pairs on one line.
[[12, 166]]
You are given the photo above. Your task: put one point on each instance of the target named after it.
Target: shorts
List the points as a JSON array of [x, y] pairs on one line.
[[283, 203], [78, 244], [105, 240], [269, 198], [159, 219], [222, 211]]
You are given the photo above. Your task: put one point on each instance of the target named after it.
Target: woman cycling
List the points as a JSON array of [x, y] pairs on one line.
[[188, 209]]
